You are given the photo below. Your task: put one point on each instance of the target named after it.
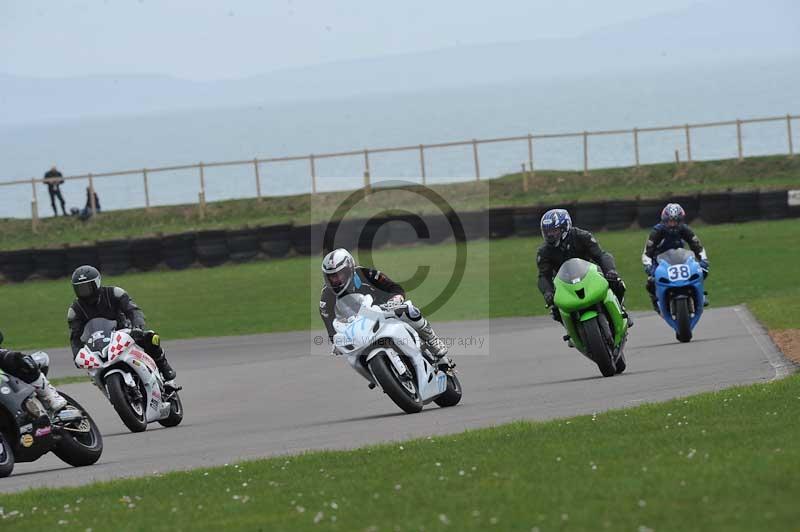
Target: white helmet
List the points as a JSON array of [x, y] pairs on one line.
[[338, 268]]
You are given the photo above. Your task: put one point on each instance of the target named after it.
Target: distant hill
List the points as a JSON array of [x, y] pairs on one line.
[[712, 33]]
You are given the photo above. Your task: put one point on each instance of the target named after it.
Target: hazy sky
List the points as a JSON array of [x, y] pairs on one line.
[[205, 39]]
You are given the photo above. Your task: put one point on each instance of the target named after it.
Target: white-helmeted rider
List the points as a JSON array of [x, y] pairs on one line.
[[342, 276]]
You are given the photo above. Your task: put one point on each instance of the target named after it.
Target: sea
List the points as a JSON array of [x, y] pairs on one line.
[[368, 121]]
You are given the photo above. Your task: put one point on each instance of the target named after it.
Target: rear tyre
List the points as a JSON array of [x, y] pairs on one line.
[[452, 395], [80, 448], [683, 320], [598, 348], [6, 457], [175, 412], [410, 402], [133, 415]]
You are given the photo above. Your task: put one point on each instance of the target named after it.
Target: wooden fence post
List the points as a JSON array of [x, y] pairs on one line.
[[636, 145], [313, 173], [475, 158], [530, 154], [422, 162], [739, 139], [146, 189], [789, 132], [258, 179], [201, 196], [585, 153], [34, 206], [688, 145]]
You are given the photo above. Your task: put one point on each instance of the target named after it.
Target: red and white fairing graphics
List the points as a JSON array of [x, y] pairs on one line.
[[123, 344], [85, 359]]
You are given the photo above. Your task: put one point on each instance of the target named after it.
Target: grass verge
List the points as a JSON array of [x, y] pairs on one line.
[[655, 180], [717, 461], [748, 265]]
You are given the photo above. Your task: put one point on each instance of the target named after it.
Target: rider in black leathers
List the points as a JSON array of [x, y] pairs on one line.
[[112, 303]]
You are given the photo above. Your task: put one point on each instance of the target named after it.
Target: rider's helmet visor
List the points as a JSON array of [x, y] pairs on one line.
[[86, 290], [338, 281]]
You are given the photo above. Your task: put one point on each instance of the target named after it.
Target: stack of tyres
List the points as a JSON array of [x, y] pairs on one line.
[[82, 255], [243, 244], [114, 256], [773, 204], [276, 240], [648, 212], [146, 253], [590, 216], [211, 248], [745, 206], [526, 220], [475, 224], [51, 263], [17, 266], [620, 215], [715, 208], [501, 222], [178, 251]]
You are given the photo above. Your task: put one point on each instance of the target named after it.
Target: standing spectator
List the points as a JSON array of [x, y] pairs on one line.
[[54, 180]]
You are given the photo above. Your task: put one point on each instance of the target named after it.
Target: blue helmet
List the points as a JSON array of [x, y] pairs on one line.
[[555, 226]]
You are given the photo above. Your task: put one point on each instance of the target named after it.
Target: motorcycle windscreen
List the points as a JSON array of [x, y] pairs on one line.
[[572, 270], [675, 256], [97, 333], [348, 307]]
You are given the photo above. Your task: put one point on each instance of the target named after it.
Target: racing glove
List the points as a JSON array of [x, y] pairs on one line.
[[548, 299], [393, 302]]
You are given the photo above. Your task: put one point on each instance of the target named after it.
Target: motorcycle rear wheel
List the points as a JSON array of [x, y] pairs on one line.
[[386, 375], [118, 394], [6, 457], [80, 450], [598, 348], [683, 320]]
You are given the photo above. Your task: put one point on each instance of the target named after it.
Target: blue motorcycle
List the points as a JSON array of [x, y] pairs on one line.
[[679, 289]]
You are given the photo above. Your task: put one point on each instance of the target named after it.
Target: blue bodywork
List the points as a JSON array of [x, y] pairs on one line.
[[679, 275]]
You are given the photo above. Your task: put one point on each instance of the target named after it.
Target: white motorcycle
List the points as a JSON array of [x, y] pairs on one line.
[[128, 376], [388, 353]]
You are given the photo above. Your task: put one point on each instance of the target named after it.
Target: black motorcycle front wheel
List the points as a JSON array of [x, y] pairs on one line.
[[684, 320], [598, 347], [132, 411], [405, 396], [6, 457], [175, 412], [81, 444]]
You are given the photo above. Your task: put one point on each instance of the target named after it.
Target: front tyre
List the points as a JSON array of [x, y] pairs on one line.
[[131, 411], [6, 457], [175, 412], [83, 446], [452, 395], [598, 347], [683, 320], [405, 396]]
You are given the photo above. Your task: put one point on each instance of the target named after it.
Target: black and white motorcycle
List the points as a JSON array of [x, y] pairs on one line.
[[28, 430], [388, 353], [128, 376]]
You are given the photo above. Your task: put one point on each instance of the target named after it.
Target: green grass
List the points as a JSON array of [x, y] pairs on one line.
[[749, 264], [658, 180], [61, 381], [717, 461]]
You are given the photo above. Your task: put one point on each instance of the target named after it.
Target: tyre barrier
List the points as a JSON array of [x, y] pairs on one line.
[[715, 208], [244, 244], [178, 251], [745, 206], [17, 265], [526, 221], [620, 215], [51, 263], [590, 216], [773, 205], [648, 212], [276, 240], [78, 256], [146, 253], [211, 247], [114, 256]]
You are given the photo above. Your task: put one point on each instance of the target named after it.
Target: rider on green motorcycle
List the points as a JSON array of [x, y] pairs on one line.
[[562, 242]]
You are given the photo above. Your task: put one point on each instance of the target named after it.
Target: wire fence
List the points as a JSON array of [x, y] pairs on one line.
[[528, 141]]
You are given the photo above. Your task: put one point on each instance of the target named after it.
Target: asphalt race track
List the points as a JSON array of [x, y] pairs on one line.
[[256, 396]]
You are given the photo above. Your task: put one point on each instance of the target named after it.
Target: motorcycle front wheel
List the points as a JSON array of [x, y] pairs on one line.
[[82, 446], [598, 348], [684, 320], [6, 457], [131, 411], [452, 395], [406, 397], [175, 412]]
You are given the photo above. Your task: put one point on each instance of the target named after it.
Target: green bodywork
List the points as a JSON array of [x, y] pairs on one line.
[[580, 287]]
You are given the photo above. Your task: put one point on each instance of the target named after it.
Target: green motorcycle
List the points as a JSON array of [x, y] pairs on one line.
[[592, 315]]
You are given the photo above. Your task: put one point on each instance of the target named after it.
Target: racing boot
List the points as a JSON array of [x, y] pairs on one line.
[[435, 344], [157, 353], [48, 395]]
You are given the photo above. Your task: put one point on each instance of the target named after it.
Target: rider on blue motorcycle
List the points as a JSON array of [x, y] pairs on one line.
[[562, 242], [671, 233]]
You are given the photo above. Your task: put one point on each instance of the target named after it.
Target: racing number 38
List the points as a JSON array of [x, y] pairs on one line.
[[680, 271]]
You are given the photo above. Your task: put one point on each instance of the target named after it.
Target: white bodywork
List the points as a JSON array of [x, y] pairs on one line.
[[122, 355], [359, 335]]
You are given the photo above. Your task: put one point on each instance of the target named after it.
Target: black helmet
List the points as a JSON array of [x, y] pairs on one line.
[[86, 283]]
